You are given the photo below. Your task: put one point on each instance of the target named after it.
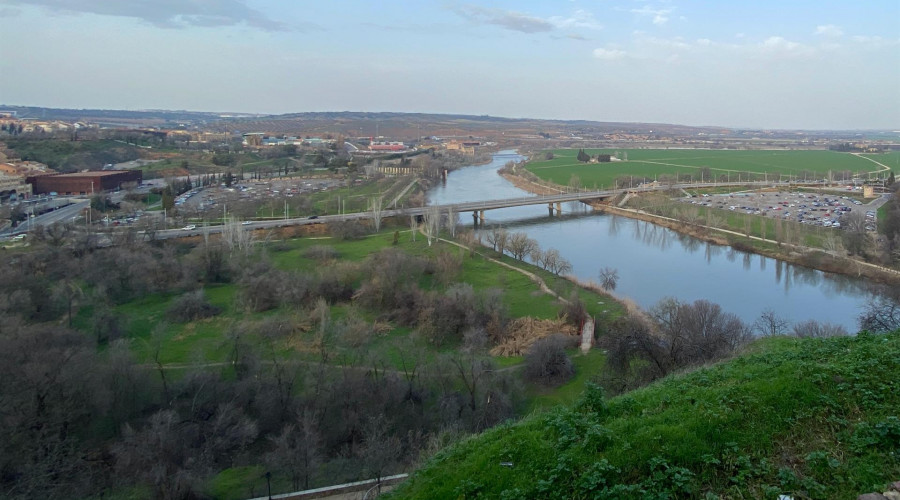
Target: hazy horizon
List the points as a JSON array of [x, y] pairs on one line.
[[807, 65]]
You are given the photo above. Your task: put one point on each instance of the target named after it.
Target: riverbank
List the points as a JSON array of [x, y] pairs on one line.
[[794, 254]]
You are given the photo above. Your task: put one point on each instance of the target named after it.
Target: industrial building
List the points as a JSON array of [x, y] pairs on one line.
[[86, 183]]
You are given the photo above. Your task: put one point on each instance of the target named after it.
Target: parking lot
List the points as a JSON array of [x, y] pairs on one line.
[[819, 209], [246, 196]]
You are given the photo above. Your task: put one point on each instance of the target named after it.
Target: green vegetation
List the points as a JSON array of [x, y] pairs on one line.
[[71, 156], [651, 164], [203, 340], [813, 418]]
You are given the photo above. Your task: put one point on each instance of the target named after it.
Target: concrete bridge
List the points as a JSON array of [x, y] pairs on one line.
[[553, 201]]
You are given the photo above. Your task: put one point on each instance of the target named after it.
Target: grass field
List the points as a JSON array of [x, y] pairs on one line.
[[721, 164]]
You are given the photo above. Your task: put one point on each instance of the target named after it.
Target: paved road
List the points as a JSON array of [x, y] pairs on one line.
[[63, 214]]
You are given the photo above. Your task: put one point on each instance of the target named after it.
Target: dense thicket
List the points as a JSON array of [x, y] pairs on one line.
[[82, 416]]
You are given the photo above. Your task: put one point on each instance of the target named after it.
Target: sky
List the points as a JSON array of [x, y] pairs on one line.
[[777, 64]]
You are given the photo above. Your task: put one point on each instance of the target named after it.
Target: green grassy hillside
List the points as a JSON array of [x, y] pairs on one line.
[[813, 418]]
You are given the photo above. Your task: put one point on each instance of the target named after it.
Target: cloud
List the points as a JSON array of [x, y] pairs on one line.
[[579, 19], [781, 47], [169, 13], [526, 23], [508, 19], [609, 54], [573, 36], [829, 30], [659, 16]]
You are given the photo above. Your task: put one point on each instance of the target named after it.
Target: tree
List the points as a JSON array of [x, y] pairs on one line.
[[432, 224], [296, 451], [375, 206], [769, 323], [891, 180], [583, 157], [881, 314], [521, 245], [814, 329], [547, 363], [609, 278]]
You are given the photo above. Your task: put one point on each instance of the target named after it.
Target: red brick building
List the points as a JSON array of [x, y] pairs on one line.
[[85, 183]]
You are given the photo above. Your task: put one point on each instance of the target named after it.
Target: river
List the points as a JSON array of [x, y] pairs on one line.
[[654, 262]]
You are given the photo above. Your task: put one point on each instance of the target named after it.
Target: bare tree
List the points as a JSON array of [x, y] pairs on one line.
[[375, 206], [812, 328], [296, 451], [235, 237], [521, 245], [432, 224], [769, 323], [497, 238], [881, 314], [452, 221], [609, 278], [413, 226], [556, 263], [547, 362]]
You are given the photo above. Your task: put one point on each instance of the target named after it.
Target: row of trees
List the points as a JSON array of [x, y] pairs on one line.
[[519, 246]]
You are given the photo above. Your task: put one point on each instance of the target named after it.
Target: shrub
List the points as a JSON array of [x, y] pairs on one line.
[[321, 252], [347, 230], [547, 362], [191, 306]]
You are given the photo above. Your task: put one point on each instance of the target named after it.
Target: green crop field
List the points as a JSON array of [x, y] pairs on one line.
[[728, 165]]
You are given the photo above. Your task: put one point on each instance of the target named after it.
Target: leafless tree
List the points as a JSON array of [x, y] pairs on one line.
[[521, 245], [556, 263], [769, 323], [432, 224], [881, 314], [609, 278], [813, 328], [381, 450], [296, 450], [497, 237], [237, 238], [375, 206], [413, 226], [452, 221], [547, 362]]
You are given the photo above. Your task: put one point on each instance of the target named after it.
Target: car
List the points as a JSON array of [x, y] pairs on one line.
[[189, 227], [311, 217], [245, 223]]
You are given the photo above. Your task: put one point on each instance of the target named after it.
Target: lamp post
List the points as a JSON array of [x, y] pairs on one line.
[[269, 484]]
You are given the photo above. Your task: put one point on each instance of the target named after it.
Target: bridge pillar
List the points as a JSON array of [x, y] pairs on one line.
[[475, 218], [550, 208], [558, 208], [481, 215]]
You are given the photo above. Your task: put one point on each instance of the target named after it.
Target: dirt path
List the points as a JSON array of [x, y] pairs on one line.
[[533, 277], [884, 168]]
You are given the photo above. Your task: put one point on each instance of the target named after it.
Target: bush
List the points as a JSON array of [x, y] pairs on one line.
[[547, 362], [191, 306], [321, 252], [813, 328], [347, 230]]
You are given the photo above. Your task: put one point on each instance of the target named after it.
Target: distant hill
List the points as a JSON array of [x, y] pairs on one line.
[[813, 418], [408, 126]]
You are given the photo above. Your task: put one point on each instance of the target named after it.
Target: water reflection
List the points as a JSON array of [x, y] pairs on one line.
[[654, 262]]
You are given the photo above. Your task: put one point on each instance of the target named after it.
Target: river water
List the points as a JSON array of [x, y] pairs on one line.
[[654, 262]]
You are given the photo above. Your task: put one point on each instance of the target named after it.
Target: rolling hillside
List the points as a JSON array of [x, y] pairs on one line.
[[812, 418]]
